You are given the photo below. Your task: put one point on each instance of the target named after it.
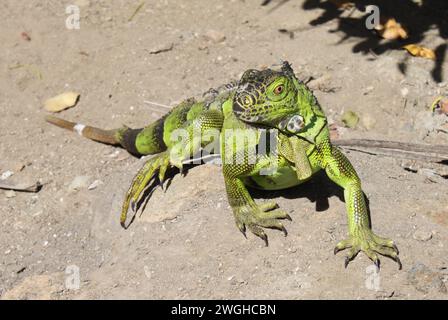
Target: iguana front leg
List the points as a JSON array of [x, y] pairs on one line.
[[247, 213], [361, 237]]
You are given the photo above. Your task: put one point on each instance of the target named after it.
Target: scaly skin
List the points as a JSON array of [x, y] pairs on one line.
[[268, 98], [261, 100]]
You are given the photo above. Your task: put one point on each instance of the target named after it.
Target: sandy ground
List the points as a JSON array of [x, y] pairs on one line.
[[185, 243]]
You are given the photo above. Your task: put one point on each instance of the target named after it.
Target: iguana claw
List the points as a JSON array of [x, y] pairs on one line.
[[159, 163], [366, 241], [257, 217]]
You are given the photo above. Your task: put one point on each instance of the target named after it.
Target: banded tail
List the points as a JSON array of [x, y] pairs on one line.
[[92, 133], [152, 139], [138, 142]]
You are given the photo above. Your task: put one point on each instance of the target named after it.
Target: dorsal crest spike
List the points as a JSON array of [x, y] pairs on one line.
[[287, 69]]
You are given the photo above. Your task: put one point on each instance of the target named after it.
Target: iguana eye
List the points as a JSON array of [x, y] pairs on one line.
[[247, 100], [279, 89]]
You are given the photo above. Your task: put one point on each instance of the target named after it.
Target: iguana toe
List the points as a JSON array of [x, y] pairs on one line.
[[164, 163], [259, 232], [140, 182], [371, 244], [255, 218]]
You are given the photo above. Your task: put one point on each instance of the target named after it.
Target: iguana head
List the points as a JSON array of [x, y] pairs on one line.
[[269, 97]]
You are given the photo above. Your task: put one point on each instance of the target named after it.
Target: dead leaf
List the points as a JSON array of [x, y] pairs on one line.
[[391, 30], [350, 119], [61, 102], [419, 51]]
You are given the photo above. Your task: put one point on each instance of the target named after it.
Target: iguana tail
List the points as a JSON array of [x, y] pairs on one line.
[[154, 138], [136, 141], [92, 133]]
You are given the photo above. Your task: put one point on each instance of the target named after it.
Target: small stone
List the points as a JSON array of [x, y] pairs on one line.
[[422, 235], [10, 194], [404, 92], [80, 182], [203, 46], [95, 184], [367, 90], [215, 36], [162, 48], [113, 154], [5, 175]]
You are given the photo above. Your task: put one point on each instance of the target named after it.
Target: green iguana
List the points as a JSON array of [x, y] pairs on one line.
[[273, 100]]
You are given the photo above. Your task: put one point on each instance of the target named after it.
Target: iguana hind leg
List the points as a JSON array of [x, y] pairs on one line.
[[139, 183], [195, 134]]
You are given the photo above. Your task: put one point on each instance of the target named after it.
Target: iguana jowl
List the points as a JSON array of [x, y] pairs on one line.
[[267, 99]]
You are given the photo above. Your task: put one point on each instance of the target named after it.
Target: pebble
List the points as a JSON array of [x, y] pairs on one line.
[[113, 154], [80, 182], [5, 175], [95, 184], [422, 235], [404, 92], [367, 90], [215, 36], [10, 194], [162, 48]]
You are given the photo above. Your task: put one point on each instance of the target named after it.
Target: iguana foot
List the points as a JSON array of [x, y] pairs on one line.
[[159, 163], [256, 217], [371, 244]]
